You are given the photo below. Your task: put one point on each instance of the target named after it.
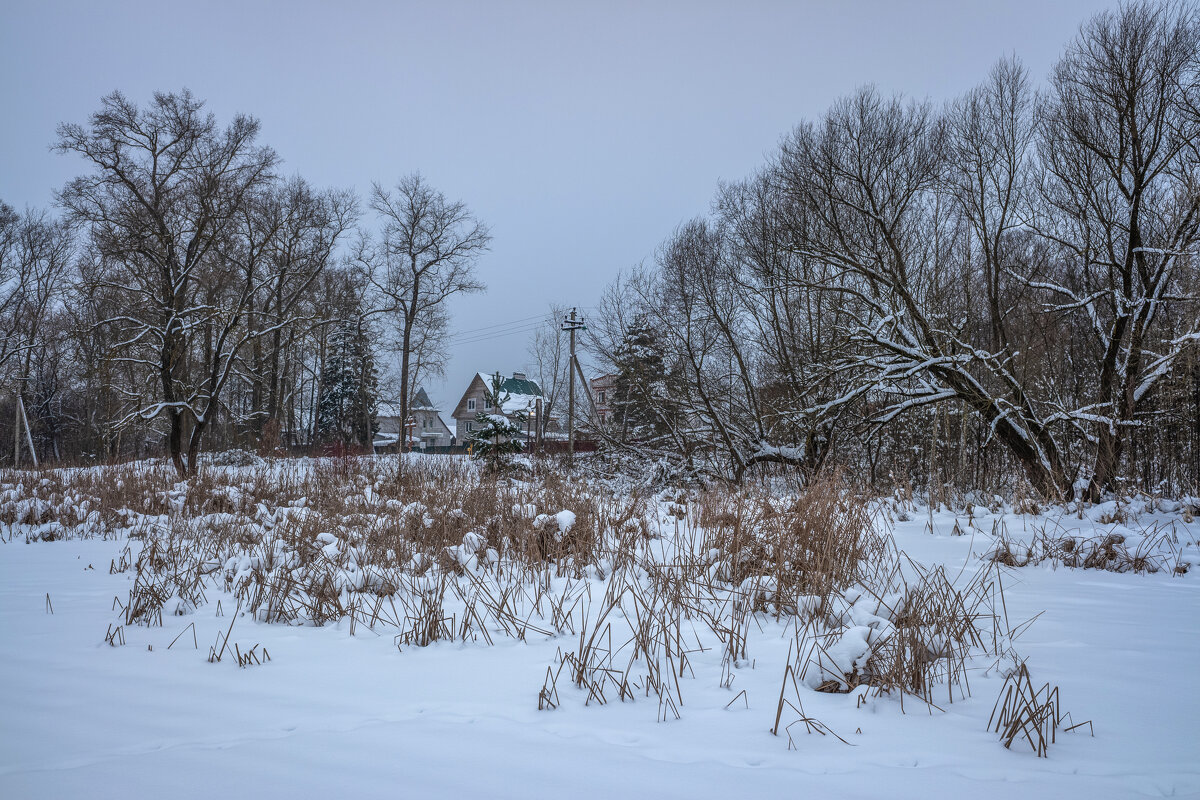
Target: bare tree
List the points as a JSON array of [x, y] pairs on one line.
[[305, 227], [1024, 268], [427, 253], [990, 135], [550, 362], [161, 206], [35, 253], [1120, 185], [870, 180]]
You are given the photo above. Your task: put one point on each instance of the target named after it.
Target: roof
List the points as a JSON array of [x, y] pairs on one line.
[[522, 395], [513, 386], [421, 401], [520, 387], [519, 402]]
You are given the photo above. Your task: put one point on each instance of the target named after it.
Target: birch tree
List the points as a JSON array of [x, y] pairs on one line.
[[551, 362]]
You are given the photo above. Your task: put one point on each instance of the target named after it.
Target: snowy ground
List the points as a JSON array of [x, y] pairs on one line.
[[335, 714]]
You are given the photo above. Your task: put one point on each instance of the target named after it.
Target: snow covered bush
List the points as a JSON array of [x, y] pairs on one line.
[[1155, 547]]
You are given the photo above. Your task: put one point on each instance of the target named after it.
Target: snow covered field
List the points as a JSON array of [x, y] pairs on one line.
[[339, 712]]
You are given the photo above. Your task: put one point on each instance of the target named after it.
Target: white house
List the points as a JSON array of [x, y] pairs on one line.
[[427, 428]]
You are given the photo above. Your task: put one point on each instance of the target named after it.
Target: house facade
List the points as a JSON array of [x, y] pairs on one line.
[[523, 396], [602, 395], [430, 430], [426, 427]]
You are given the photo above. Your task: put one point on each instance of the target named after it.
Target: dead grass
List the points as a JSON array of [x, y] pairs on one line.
[[793, 549], [1023, 714], [1152, 549], [638, 587]]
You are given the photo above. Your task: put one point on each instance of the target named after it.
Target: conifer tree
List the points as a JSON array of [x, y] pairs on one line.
[[349, 397], [644, 406], [497, 436]]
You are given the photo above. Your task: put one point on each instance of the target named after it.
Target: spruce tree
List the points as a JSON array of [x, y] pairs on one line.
[[643, 399], [349, 398], [497, 436]]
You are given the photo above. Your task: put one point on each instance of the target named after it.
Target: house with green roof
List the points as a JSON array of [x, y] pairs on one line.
[[519, 393]]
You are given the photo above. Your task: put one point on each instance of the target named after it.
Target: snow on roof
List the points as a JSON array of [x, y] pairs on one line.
[[517, 388], [521, 386], [421, 401], [520, 402]]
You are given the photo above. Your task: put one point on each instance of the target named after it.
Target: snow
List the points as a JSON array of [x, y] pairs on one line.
[[335, 711], [515, 403], [565, 520], [560, 523]]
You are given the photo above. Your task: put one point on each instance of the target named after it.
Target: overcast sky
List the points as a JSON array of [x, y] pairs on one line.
[[581, 133]]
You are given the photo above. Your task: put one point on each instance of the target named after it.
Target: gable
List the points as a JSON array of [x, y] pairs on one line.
[[421, 400], [523, 394], [475, 389], [429, 421]]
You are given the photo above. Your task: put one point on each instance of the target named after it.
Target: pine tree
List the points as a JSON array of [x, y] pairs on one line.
[[644, 403], [349, 398], [497, 436]]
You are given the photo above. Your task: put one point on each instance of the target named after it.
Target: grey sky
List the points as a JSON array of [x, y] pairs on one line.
[[581, 133]]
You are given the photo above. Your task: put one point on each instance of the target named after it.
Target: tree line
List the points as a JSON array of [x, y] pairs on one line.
[[1002, 289], [189, 292], [994, 292]]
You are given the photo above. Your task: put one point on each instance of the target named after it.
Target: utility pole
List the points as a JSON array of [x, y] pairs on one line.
[[572, 323], [17, 428], [21, 418], [539, 425]]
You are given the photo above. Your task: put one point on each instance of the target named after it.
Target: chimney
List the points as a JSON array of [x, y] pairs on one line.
[[518, 376]]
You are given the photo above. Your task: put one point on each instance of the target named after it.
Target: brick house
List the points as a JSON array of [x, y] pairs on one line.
[[602, 395]]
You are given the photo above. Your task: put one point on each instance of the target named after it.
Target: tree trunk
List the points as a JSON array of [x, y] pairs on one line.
[[175, 442]]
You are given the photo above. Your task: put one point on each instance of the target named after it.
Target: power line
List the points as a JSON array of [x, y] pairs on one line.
[[537, 317], [509, 327], [499, 329], [489, 337]]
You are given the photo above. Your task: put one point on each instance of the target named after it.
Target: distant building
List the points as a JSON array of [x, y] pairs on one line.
[[426, 429], [602, 394], [523, 395], [430, 430]]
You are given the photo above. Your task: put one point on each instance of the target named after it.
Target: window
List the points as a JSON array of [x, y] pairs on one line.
[[487, 403], [468, 427], [600, 396], [470, 407]]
